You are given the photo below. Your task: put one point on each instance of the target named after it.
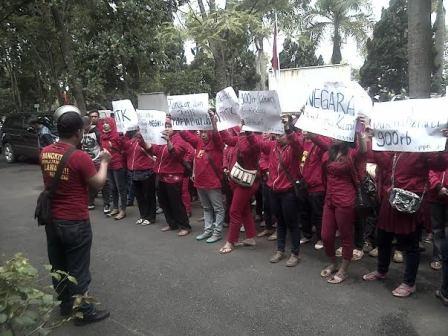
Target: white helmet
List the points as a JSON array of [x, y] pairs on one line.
[[64, 109]]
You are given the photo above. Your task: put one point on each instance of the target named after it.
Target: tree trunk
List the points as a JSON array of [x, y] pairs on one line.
[[440, 34], [67, 53], [260, 65], [336, 57], [419, 48]]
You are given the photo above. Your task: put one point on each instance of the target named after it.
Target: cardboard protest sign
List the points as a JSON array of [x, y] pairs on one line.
[[227, 109], [332, 108], [125, 115], [151, 124], [261, 111], [105, 113], [410, 125], [189, 112]]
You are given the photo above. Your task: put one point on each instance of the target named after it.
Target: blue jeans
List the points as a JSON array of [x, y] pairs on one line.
[[214, 212], [68, 245], [284, 205]]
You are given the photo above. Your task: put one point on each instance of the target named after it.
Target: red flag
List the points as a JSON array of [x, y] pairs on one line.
[[275, 59]]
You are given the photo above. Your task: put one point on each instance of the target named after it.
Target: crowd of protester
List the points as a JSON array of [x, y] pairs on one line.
[[301, 186]]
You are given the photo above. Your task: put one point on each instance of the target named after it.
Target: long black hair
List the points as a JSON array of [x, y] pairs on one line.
[[341, 147]]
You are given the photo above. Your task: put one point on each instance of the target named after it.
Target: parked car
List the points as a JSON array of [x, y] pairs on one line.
[[19, 139]]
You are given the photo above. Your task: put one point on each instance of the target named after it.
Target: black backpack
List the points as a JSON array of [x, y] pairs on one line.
[[43, 206]]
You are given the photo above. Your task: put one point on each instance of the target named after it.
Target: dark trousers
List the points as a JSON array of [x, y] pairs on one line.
[[170, 200], [311, 214], [118, 187], [145, 192], [409, 244], [68, 244], [444, 253], [285, 209], [105, 191], [439, 221], [228, 193], [259, 201], [130, 187], [267, 206]]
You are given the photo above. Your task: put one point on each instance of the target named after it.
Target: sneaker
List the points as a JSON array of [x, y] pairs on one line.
[[145, 222], [319, 245], [242, 229], [95, 316], [91, 206], [273, 236], [357, 254], [214, 238], [112, 213], [279, 255], [204, 235], [304, 240], [339, 252], [106, 209], [398, 257], [374, 252], [139, 222], [292, 261]]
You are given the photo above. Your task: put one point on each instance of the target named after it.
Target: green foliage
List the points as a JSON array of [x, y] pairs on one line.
[[385, 71], [301, 54], [24, 307]]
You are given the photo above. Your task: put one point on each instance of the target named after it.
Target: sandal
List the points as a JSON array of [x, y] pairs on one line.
[[403, 290], [436, 265], [440, 296], [227, 248], [373, 276], [327, 271], [338, 278], [246, 243]]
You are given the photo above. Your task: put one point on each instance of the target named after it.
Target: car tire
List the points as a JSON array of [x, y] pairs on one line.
[[9, 154]]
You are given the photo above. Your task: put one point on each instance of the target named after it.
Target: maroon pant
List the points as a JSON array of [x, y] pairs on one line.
[[186, 197], [342, 219], [241, 212]]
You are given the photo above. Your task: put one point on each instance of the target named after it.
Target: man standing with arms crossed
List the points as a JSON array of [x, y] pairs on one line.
[[69, 235]]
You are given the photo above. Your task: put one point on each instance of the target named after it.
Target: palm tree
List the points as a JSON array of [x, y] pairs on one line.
[[419, 48], [346, 18]]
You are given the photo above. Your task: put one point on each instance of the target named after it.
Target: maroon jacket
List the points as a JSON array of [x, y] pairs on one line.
[[205, 176], [136, 156], [437, 181], [114, 145], [247, 149], [312, 163], [290, 155]]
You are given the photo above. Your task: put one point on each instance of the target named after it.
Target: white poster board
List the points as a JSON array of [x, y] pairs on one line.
[[410, 125], [227, 109], [151, 124], [125, 115], [189, 112], [104, 113], [332, 108], [261, 111]]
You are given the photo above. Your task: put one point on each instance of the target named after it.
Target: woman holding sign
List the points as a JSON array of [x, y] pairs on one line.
[[341, 164], [244, 181]]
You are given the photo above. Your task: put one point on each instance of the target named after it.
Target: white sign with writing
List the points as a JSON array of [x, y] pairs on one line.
[[410, 125], [261, 111], [332, 108], [151, 124], [125, 115], [227, 109], [189, 112]]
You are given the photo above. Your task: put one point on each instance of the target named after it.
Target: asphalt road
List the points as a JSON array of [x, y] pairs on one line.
[[155, 283]]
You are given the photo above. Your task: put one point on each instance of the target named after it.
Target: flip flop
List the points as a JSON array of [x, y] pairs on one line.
[[373, 276], [244, 243], [337, 278], [403, 291], [226, 249]]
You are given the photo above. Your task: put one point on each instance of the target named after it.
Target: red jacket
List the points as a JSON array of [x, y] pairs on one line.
[[312, 172], [169, 163], [114, 144], [437, 181], [136, 156], [290, 155], [247, 149], [205, 176]]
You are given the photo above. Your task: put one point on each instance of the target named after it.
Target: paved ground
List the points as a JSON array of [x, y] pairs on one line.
[[155, 283]]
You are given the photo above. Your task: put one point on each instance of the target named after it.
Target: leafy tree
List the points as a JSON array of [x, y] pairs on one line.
[[302, 54], [385, 71], [345, 18]]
